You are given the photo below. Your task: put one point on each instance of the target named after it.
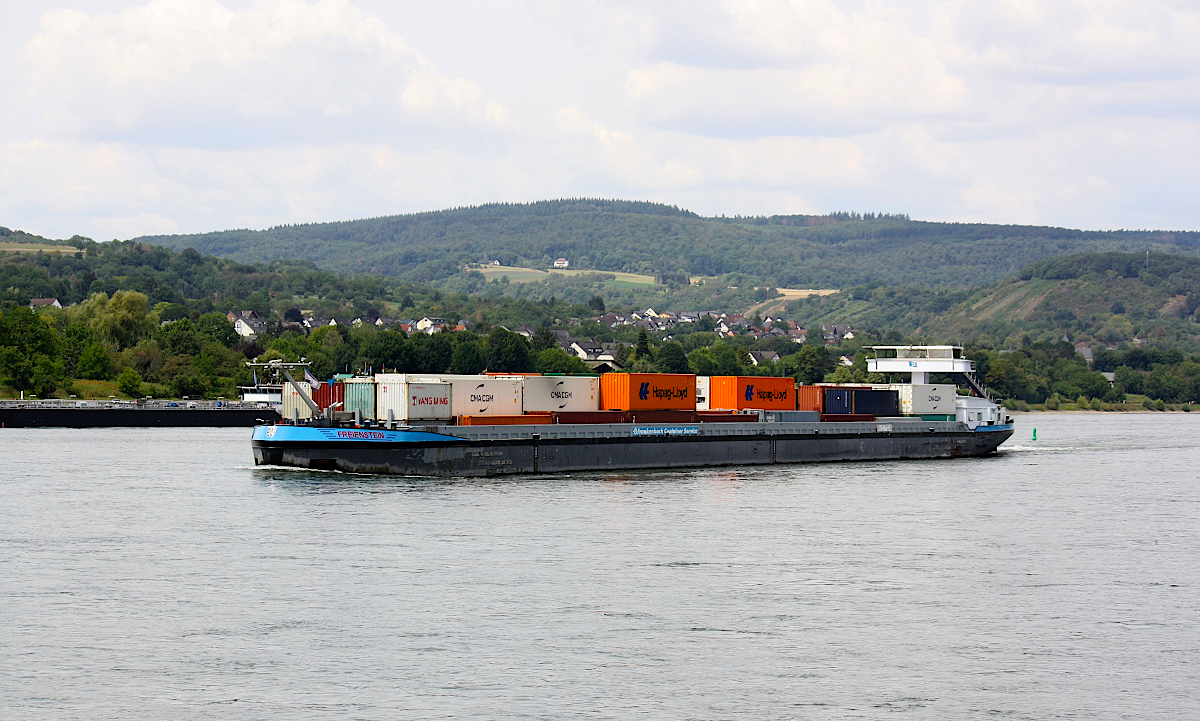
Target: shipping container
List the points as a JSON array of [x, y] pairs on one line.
[[662, 417], [529, 419], [411, 401], [845, 417], [926, 399], [838, 400], [483, 396], [648, 391], [360, 396], [702, 386], [328, 394], [561, 393], [810, 398], [792, 416], [591, 417], [735, 393], [293, 403], [726, 417], [878, 403]]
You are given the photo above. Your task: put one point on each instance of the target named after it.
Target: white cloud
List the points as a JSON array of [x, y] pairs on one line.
[[204, 114], [194, 69]]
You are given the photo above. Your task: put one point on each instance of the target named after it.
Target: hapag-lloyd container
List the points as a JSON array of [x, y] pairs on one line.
[[561, 393], [736, 393], [359, 395], [648, 391], [293, 402], [411, 400]]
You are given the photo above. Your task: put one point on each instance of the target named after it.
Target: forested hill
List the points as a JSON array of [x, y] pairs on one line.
[[838, 251], [1099, 299]]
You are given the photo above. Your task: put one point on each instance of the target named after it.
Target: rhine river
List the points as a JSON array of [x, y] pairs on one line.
[[153, 574]]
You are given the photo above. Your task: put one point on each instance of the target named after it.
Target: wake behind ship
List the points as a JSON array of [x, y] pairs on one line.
[[452, 425]]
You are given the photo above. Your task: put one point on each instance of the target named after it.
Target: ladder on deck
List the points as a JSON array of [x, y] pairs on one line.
[[976, 385]]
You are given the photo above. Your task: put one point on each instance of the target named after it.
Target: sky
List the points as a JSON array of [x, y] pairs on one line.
[[173, 116]]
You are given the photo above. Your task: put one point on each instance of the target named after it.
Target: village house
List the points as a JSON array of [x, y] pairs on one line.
[[246, 323], [38, 303]]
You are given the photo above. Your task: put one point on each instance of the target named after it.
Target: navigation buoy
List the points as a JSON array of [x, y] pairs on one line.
[[1035, 434]]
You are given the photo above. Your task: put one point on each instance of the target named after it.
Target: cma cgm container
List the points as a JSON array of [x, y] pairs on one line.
[[871, 402], [648, 391], [411, 401], [810, 398], [736, 393], [561, 393], [483, 396], [926, 399], [293, 403], [359, 396]]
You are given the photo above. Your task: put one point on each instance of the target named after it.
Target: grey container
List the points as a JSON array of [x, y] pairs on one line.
[[791, 416]]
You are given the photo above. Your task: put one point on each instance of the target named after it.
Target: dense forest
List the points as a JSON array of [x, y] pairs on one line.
[[836, 251]]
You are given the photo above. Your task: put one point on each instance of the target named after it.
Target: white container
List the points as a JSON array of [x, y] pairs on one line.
[[485, 396], [702, 393], [412, 401], [561, 393], [922, 400], [294, 401]]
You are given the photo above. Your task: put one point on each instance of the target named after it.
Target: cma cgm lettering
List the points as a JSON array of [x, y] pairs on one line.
[[482, 397], [561, 395]]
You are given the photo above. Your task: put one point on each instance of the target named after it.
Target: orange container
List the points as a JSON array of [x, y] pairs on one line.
[[532, 419], [737, 393], [810, 398], [648, 392]]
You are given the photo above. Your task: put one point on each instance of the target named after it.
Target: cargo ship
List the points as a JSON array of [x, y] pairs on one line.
[[488, 425]]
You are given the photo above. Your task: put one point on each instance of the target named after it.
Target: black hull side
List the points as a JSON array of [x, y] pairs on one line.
[[506, 457]]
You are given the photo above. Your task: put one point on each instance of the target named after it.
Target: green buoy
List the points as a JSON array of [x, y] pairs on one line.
[[1035, 434]]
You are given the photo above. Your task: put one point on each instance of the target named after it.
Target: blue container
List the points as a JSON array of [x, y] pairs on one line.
[[839, 401]]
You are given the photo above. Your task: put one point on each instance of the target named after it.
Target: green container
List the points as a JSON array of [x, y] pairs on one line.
[[360, 396], [937, 417]]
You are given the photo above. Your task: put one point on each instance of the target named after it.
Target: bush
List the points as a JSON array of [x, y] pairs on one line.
[[1052, 402], [129, 382], [1097, 404], [1160, 405]]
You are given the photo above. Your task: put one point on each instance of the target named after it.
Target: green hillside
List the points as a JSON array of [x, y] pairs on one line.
[[1099, 298], [835, 251]]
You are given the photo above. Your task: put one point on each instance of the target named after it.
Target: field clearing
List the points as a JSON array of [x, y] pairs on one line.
[[35, 247], [527, 275], [787, 295]]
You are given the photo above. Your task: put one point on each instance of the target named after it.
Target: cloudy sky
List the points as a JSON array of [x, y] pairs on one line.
[[127, 118]]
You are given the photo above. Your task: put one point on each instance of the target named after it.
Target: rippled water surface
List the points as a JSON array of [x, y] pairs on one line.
[[151, 574]]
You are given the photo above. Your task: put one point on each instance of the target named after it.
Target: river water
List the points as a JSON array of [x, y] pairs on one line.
[[151, 574]]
